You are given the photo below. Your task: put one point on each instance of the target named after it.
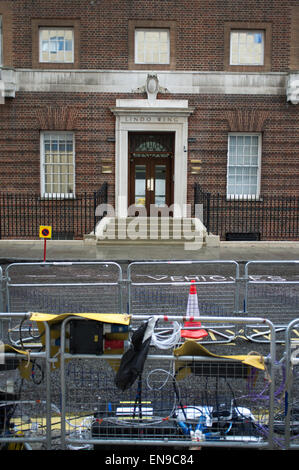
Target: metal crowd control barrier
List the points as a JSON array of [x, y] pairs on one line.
[[62, 287], [1, 297], [264, 302], [290, 429], [25, 393], [182, 399], [256, 409], [167, 291], [272, 287], [157, 288]]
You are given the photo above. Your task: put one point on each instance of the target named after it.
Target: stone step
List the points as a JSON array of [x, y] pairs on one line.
[[154, 224], [148, 230], [134, 230], [177, 223], [140, 242]]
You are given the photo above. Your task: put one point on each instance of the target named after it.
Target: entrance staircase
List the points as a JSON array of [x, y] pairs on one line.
[[150, 231]]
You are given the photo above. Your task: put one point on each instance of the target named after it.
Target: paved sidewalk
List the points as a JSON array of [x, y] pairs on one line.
[[77, 250]]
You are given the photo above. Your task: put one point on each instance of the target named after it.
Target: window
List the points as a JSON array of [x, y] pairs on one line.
[[247, 48], [1, 60], [56, 45], [58, 164], [243, 171], [151, 46]]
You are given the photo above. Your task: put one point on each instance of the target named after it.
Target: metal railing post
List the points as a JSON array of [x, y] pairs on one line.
[[289, 383], [48, 388], [44, 355], [208, 198]]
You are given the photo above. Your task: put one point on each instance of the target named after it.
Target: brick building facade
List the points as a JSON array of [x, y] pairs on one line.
[[152, 97]]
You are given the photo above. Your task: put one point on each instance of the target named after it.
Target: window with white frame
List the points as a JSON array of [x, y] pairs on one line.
[[247, 47], [152, 46], [58, 164], [56, 45], [243, 168]]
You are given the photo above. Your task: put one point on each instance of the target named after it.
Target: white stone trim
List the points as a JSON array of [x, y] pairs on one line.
[[162, 116], [293, 88], [7, 83], [114, 81]]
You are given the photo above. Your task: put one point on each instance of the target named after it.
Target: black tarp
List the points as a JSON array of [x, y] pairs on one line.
[[132, 362]]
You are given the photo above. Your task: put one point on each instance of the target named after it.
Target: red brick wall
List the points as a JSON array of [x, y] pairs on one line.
[[22, 118], [200, 46], [199, 30], [275, 119]]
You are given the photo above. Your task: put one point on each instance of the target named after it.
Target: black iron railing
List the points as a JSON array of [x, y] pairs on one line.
[[267, 218], [70, 218]]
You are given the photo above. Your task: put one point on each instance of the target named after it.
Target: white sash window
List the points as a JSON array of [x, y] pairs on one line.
[[243, 167], [58, 164]]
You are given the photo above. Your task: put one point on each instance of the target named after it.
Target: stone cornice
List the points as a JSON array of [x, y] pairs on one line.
[[293, 88], [102, 81], [175, 82], [7, 83]]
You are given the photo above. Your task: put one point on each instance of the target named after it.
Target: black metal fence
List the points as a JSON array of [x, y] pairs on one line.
[[267, 218], [70, 218]]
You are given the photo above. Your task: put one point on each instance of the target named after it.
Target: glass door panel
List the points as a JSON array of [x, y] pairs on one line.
[[151, 170], [140, 185], [160, 185]]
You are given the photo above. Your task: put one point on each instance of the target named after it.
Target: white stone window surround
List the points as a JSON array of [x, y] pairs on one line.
[[60, 50], [248, 165], [243, 53], [162, 116], [63, 136]]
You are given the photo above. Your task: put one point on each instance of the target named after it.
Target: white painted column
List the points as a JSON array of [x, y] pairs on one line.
[[122, 171]]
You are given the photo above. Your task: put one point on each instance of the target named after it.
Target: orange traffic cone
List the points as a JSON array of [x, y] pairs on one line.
[[192, 311]]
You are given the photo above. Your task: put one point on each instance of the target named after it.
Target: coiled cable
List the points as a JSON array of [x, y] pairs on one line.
[[160, 341]]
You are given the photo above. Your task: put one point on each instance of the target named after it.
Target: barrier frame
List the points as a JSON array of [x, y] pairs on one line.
[[235, 282], [243, 320], [118, 283], [47, 360], [238, 320], [290, 362], [279, 327]]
